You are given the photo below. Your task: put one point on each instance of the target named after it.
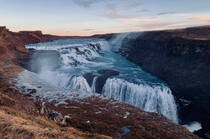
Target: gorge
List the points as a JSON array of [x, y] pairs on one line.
[[81, 79], [79, 57]]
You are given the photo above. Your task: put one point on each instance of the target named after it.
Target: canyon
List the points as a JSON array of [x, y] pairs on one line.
[[95, 116]]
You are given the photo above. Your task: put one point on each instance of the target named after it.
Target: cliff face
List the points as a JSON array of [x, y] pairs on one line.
[[92, 115], [12, 44], [105, 36], [182, 59]]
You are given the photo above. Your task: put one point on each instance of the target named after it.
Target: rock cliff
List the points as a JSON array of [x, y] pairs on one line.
[[182, 59]]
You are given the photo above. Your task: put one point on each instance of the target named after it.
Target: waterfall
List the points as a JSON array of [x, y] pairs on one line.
[[53, 86], [117, 41], [79, 84], [61, 69], [79, 55], [93, 87], [66, 81], [71, 54], [149, 98]]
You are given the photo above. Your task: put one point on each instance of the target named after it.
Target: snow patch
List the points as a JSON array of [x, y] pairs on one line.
[[68, 116], [98, 112], [126, 115], [193, 126]]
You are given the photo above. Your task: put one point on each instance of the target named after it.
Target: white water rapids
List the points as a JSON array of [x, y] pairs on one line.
[[77, 57], [154, 99]]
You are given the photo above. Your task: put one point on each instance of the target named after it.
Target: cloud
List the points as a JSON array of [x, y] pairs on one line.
[[143, 11], [165, 13], [134, 3], [116, 10], [114, 14], [86, 3], [202, 18], [122, 3], [135, 21], [113, 9], [88, 29], [156, 25]]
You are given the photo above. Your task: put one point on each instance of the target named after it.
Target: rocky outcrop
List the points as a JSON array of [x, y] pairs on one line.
[[182, 59], [102, 76]]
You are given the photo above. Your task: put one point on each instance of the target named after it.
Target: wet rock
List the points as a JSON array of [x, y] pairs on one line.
[[31, 91], [89, 77], [95, 47], [59, 118], [125, 130], [108, 72], [53, 115], [104, 75]]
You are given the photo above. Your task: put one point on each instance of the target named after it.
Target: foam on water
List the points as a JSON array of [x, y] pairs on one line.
[[79, 55]]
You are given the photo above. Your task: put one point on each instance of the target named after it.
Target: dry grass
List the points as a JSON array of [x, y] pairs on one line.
[[15, 124], [4, 96]]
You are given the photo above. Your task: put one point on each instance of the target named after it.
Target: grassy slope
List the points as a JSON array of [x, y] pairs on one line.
[[15, 124]]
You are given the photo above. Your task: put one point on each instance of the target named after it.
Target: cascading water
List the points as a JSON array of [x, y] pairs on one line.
[[93, 86], [149, 98], [66, 81], [78, 57]]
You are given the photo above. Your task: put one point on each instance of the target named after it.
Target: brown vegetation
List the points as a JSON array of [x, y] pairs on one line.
[[15, 124]]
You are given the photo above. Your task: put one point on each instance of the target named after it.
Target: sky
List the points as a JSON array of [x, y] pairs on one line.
[[88, 17]]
